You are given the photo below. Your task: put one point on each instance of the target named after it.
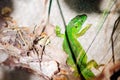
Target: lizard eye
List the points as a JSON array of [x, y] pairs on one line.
[[75, 26], [81, 21]]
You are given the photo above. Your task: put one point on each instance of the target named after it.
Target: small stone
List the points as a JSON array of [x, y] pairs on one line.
[[3, 56], [49, 68]]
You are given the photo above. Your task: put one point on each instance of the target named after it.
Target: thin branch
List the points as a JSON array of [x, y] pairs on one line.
[[61, 13], [102, 21], [112, 41], [49, 9], [112, 45], [68, 42]]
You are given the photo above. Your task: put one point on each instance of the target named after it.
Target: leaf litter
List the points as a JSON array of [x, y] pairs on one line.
[[21, 47]]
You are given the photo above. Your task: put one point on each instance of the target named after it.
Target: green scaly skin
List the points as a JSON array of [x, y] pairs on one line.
[[77, 58]]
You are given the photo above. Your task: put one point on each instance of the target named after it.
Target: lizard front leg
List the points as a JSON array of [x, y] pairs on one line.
[[83, 31], [58, 32]]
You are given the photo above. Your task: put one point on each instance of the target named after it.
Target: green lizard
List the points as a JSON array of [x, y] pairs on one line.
[[77, 58]]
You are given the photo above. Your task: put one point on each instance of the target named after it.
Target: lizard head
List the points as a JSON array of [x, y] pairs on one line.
[[77, 22]]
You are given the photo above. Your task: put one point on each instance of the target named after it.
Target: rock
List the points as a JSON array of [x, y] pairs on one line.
[[3, 56], [49, 68]]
